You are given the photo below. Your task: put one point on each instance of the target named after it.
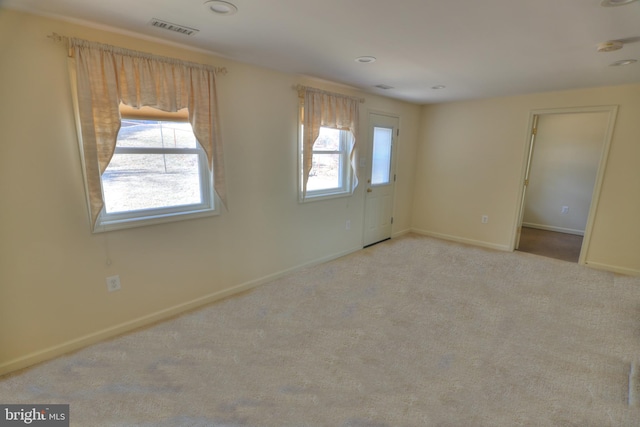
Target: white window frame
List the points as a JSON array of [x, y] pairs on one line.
[[143, 217], [346, 172]]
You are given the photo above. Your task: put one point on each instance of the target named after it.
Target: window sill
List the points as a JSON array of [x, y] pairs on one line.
[[324, 196], [105, 225]]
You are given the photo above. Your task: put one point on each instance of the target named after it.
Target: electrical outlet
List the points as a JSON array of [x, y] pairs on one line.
[[485, 219], [113, 283], [347, 225], [565, 210]]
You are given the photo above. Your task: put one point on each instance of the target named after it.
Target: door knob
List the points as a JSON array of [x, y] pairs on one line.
[[369, 190]]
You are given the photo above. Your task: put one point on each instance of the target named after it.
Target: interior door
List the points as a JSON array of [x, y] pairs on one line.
[[534, 131], [378, 218]]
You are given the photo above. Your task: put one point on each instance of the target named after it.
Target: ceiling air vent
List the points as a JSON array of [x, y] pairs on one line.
[[384, 87], [173, 27]]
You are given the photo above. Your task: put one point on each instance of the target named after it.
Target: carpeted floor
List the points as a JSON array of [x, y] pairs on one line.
[[411, 332], [550, 244]]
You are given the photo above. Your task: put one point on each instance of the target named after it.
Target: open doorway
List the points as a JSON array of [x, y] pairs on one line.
[[564, 169]]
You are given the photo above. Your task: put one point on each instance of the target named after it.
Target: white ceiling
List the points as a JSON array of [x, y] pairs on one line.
[[476, 48]]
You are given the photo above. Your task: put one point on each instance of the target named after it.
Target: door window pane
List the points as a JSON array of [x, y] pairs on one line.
[[381, 164]]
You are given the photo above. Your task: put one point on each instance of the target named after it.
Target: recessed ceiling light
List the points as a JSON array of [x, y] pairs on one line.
[[366, 59], [610, 3], [623, 62], [438, 87], [609, 46], [220, 7]]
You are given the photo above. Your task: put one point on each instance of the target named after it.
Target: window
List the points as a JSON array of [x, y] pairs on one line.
[[158, 170], [328, 132], [148, 134], [331, 171]]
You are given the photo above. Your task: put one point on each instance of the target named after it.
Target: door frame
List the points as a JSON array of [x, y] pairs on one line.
[[597, 187], [365, 166]]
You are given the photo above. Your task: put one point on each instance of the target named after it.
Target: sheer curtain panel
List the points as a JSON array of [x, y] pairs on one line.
[[107, 75]]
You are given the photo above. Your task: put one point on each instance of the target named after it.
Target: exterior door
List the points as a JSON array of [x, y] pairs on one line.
[[378, 218]]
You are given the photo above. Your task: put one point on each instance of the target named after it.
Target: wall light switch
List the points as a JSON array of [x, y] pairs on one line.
[[565, 210], [485, 219]]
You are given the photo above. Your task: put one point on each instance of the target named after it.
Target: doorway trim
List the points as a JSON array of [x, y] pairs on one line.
[[604, 155]]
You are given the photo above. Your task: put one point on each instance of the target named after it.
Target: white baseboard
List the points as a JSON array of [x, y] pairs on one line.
[[458, 239], [401, 233], [553, 228], [86, 340], [613, 268]]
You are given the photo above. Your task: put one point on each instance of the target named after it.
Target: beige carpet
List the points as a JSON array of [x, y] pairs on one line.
[[411, 332]]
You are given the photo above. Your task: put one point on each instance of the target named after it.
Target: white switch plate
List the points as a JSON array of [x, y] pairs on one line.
[[565, 210], [347, 225], [485, 219], [113, 283]]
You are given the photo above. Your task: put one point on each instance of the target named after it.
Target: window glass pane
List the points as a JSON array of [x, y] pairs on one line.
[[325, 173], [156, 134], [381, 165], [328, 140], [145, 181]]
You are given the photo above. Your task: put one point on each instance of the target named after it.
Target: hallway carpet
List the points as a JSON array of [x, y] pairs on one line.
[[562, 246]]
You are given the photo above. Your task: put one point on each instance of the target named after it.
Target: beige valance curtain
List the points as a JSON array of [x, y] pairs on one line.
[[327, 109], [107, 75]]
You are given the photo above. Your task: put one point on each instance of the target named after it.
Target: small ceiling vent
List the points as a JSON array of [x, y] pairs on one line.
[[384, 87], [173, 27]]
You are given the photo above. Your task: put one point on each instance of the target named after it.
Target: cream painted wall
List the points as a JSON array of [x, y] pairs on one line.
[[471, 160], [53, 294], [564, 166]]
